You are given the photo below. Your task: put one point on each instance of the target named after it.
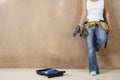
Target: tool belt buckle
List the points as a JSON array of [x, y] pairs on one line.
[[92, 24]]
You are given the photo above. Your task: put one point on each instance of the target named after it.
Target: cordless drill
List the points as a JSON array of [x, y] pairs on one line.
[[77, 30]]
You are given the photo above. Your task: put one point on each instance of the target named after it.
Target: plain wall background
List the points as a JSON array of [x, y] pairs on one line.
[[38, 34]]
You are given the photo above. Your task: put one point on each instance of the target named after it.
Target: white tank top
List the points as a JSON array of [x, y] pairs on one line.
[[95, 10]]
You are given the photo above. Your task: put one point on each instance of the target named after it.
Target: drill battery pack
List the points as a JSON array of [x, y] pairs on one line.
[[50, 72]]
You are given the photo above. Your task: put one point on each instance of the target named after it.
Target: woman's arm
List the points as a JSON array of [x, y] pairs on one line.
[[107, 14], [83, 15]]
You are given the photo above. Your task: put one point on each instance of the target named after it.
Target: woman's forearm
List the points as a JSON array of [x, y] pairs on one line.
[[83, 16], [108, 19], [107, 13]]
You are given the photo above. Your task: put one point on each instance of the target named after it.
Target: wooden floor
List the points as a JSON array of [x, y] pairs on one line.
[[71, 74]]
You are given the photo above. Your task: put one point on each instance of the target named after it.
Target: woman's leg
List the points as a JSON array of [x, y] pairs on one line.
[[101, 37], [93, 66]]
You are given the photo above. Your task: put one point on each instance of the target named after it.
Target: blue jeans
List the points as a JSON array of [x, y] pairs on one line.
[[95, 39]]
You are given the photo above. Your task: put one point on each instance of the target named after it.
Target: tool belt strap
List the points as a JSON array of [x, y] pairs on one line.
[[93, 24]]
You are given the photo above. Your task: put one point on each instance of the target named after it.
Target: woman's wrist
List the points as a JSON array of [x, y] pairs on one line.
[[109, 25]]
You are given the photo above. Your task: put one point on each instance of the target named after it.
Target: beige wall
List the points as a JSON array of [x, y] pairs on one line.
[[38, 34]]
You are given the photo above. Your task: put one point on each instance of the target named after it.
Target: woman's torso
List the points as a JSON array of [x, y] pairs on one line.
[[95, 10]]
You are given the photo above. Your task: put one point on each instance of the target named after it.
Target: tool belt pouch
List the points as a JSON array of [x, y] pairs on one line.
[[104, 25]]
